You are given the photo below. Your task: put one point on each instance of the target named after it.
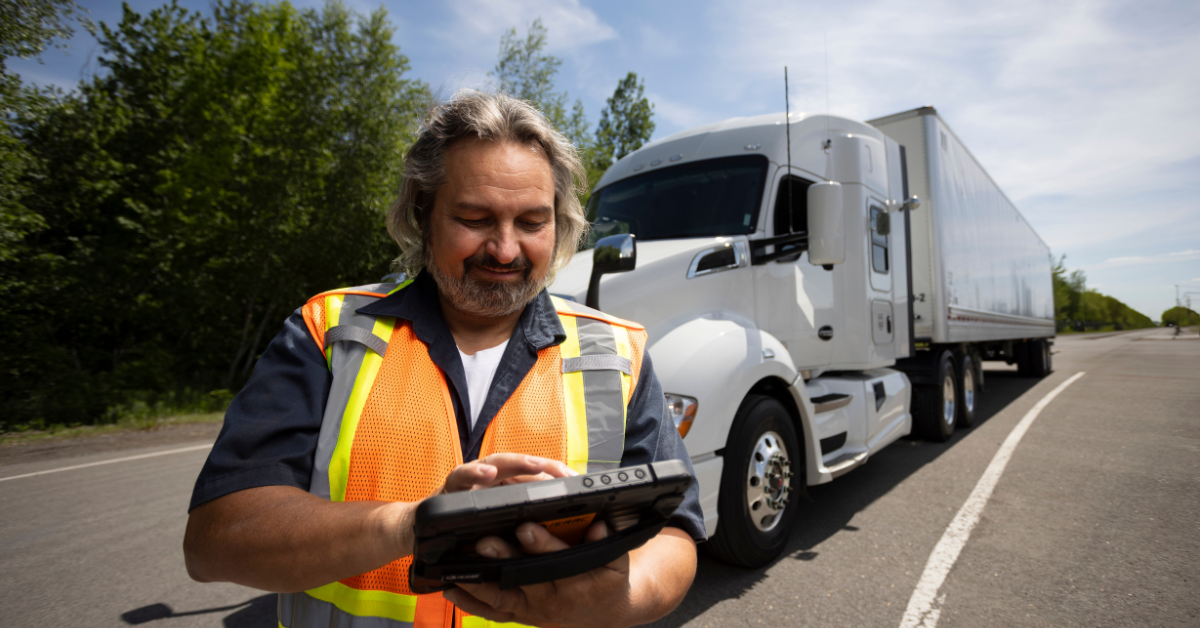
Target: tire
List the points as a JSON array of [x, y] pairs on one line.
[[1021, 352], [762, 452], [935, 408], [967, 389], [1038, 355]]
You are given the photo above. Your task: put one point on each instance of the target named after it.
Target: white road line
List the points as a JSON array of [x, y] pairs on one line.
[[96, 464], [925, 605]]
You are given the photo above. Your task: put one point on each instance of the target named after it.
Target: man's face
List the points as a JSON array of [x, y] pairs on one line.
[[491, 231]]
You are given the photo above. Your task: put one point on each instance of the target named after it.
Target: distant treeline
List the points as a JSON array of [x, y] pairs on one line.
[[1180, 316], [160, 222], [1077, 308]]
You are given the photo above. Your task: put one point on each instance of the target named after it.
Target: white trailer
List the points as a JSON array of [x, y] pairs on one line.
[[789, 315]]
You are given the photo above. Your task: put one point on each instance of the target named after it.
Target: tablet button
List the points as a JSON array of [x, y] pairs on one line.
[[587, 482], [623, 477], [606, 479], [639, 474]]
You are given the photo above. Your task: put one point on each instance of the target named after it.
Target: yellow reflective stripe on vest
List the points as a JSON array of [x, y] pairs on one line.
[[339, 605], [573, 400], [479, 622], [333, 312], [368, 603], [621, 335], [339, 464]]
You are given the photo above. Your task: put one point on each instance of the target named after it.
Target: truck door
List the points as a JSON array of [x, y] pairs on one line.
[[880, 266], [794, 298]]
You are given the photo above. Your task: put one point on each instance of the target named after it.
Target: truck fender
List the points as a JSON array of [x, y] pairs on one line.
[[717, 360]]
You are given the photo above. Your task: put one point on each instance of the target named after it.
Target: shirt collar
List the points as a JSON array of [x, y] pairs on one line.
[[418, 303]]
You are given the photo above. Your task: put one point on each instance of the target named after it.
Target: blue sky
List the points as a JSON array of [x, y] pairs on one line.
[[1086, 113]]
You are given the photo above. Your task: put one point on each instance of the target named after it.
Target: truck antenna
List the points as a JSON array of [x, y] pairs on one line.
[[787, 125]]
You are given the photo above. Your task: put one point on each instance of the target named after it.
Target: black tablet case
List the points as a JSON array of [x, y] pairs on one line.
[[635, 502]]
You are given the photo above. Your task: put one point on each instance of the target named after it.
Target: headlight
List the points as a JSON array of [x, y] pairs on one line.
[[682, 410]]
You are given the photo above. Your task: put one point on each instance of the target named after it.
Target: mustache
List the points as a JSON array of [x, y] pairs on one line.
[[486, 260]]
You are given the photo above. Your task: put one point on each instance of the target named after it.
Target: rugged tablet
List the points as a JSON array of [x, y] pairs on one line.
[[635, 502]]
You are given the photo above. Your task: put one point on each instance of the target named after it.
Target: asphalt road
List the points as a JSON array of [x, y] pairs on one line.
[[1094, 522]]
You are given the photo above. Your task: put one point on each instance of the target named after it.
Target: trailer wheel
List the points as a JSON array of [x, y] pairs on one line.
[[935, 408], [758, 501], [967, 390], [1038, 354]]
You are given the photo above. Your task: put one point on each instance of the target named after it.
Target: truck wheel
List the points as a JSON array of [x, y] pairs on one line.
[[935, 408], [967, 390], [1038, 355], [757, 503]]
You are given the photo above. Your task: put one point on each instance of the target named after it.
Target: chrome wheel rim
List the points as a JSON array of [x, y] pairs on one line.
[[768, 482], [968, 387], [948, 398]]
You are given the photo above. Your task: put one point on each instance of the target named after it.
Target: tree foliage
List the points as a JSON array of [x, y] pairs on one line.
[[1180, 316], [26, 28], [525, 71], [1077, 308], [223, 169], [626, 123]]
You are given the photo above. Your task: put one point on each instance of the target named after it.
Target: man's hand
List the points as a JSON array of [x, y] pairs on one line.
[[498, 469], [636, 588], [281, 538]]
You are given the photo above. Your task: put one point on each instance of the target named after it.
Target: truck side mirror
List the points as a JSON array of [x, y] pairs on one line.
[[883, 224], [826, 226], [614, 254]]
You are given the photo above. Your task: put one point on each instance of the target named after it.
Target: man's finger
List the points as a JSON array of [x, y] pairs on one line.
[[495, 547], [516, 465], [536, 540], [471, 604], [598, 531], [470, 476]]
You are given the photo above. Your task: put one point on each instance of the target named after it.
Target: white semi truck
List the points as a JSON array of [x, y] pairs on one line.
[[807, 305]]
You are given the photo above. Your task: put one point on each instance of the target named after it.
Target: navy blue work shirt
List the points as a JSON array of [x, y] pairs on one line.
[[270, 433]]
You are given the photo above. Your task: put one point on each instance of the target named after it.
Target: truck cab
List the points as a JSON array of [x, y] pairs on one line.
[[773, 346]]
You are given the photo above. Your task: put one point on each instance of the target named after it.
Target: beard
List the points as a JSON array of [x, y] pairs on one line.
[[486, 298]]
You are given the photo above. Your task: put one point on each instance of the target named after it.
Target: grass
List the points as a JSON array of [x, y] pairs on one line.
[[125, 424]]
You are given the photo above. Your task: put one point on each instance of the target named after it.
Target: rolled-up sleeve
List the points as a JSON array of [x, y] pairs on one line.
[[650, 436], [271, 428]]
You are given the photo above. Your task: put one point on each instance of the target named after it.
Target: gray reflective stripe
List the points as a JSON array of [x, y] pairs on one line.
[[346, 361], [594, 466], [355, 334], [382, 288], [603, 401], [301, 610], [610, 362]]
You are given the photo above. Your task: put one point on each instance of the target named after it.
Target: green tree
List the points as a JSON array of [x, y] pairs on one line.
[[626, 123], [224, 169], [1180, 316], [26, 28], [525, 71]]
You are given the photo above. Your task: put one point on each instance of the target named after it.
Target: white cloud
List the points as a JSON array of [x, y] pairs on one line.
[[676, 114], [569, 25], [1133, 260]]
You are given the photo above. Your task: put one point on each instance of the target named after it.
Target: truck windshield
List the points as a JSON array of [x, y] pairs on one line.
[[715, 197]]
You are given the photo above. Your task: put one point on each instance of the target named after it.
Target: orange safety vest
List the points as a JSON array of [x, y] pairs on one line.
[[389, 433]]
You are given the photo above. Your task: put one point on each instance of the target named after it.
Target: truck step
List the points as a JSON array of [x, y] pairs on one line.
[[833, 443], [846, 462]]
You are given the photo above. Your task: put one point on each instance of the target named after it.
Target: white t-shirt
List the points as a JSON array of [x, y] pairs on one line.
[[480, 369]]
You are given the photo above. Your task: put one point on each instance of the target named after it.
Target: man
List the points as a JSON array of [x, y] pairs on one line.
[[374, 398]]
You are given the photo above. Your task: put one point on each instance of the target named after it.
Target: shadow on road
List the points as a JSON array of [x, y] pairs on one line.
[[255, 613], [833, 505]]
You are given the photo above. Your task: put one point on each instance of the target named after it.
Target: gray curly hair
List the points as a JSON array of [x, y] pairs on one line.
[[493, 117]]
